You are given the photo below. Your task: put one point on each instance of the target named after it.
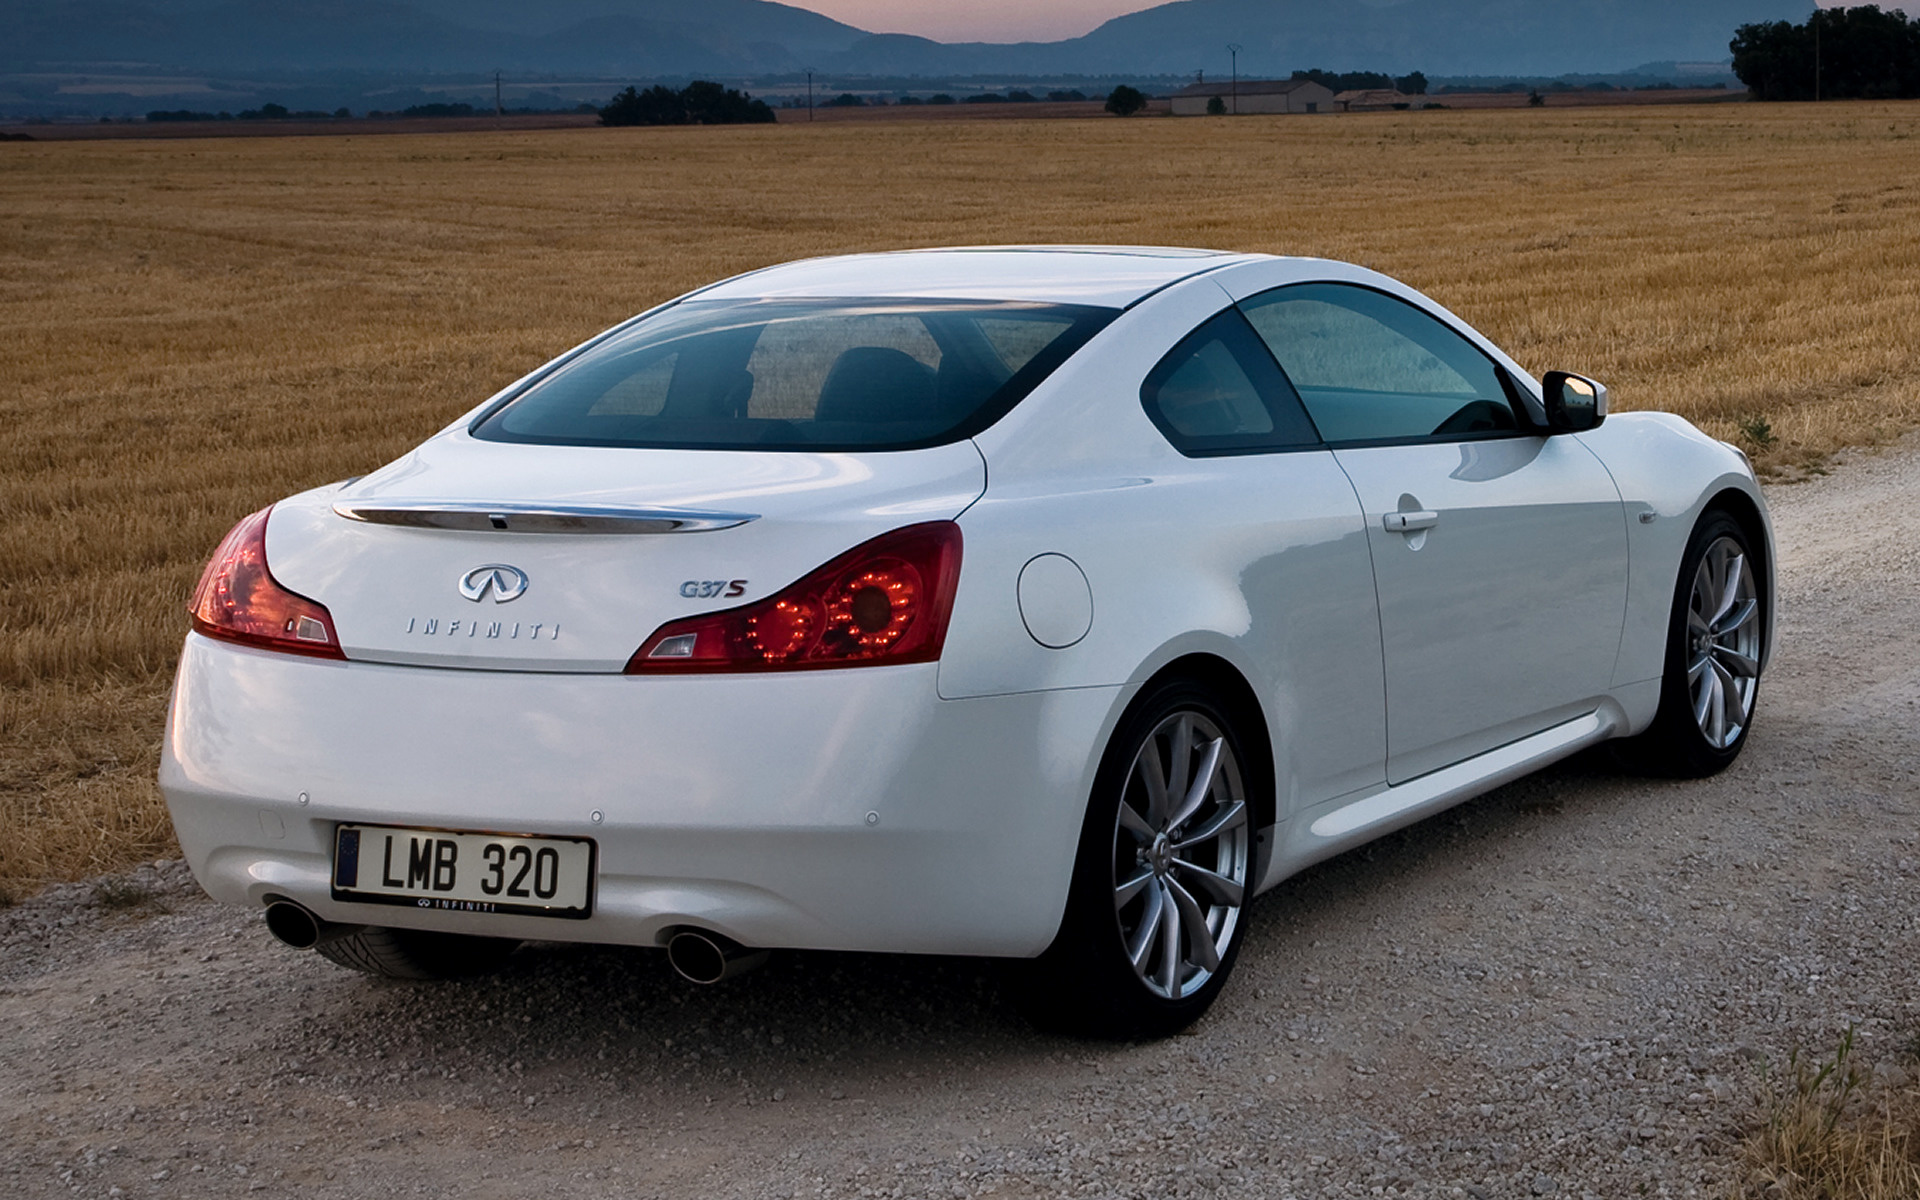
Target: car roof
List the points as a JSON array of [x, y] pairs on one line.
[[1108, 276]]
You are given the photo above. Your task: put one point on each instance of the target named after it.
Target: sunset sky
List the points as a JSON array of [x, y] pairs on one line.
[[977, 20], [1009, 20]]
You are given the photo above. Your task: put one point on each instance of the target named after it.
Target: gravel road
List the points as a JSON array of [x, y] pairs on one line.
[[1566, 988]]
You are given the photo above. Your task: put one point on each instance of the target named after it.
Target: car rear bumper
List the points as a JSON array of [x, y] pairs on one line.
[[848, 810]]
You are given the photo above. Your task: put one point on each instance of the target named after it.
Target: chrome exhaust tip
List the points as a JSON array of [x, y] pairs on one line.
[[294, 926], [704, 958]]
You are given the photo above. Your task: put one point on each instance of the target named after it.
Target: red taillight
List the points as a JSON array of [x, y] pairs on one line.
[[883, 602], [239, 600]]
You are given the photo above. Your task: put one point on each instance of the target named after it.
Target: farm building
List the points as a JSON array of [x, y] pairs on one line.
[[1255, 96], [1372, 100]]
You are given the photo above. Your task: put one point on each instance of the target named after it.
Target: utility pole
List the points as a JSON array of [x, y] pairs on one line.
[[1233, 48], [809, 93], [1816, 57], [499, 108]]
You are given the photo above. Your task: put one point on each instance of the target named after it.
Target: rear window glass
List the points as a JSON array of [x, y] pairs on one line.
[[799, 375]]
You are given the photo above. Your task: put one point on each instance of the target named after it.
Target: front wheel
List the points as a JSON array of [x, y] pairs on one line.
[[1156, 913], [1716, 637]]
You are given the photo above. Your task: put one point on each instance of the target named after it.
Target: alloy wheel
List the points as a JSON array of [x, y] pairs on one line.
[[1181, 845], [1723, 643]]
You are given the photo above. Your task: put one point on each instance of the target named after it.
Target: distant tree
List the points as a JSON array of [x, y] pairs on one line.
[[909, 100], [1216, 107], [986, 98], [701, 102], [1347, 81], [708, 103], [1535, 99], [438, 110], [179, 114], [939, 98], [1019, 96], [844, 100], [1413, 85], [342, 112], [1069, 94], [1851, 53], [1124, 101]]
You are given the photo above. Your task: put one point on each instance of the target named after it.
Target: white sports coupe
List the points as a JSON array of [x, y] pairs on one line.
[[1037, 603]]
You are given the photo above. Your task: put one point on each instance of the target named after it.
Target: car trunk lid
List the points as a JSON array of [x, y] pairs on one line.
[[492, 556]]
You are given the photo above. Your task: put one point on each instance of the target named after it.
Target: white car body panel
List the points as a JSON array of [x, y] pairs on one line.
[[592, 599], [1525, 566], [741, 809], [936, 807], [1668, 472]]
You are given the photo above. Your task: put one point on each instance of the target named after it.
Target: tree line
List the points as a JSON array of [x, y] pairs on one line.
[[701, 102], [1839, 54], [1366, 81]]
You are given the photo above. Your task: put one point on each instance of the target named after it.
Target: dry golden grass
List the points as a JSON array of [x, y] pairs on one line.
[[194, 328], [1826, 1135]]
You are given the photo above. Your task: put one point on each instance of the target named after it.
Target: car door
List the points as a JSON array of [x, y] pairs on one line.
[[1499, 553], [1283, 510]]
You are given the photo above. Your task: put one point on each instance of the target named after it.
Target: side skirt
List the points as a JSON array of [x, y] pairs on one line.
[[1344, 823]]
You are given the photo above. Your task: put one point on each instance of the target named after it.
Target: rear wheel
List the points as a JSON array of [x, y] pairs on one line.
[[1157, 909], [417, 953], [1715, 638]]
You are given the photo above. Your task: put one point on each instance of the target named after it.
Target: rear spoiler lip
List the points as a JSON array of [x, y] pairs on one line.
[[480, 516]]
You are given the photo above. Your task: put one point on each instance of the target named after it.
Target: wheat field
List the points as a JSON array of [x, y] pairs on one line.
[[193, 328]]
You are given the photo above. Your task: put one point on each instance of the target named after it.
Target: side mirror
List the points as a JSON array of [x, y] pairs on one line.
[[1574, 403]]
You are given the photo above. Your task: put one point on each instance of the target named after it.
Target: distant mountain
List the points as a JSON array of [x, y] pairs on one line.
[[1440, 37], [635, 38], [644, 38]]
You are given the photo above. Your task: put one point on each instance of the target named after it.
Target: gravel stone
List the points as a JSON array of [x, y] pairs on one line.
[[1567, 987]]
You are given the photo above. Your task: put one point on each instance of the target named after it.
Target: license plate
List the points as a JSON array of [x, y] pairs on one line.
[[463, 872]]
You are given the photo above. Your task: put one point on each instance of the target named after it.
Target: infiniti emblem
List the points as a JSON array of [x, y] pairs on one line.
[[506, 583]]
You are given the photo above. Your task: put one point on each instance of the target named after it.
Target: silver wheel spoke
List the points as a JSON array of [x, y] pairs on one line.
[[1218, 887], [1233, 816], [1699, 665], [1124, 894], [1180, 764], [1153, 773], [1169, 945], [1734, 620], [1716, 709], [1195, 921], [1134, 823], [1731, 566], [1703, 696], [1706, 591], [1140, 945], [1202, 784], [1735, 664]]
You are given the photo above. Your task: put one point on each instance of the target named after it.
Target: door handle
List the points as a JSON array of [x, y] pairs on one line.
[[1409, 522]]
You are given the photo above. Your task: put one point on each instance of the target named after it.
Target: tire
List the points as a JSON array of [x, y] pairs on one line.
[[417, 953], [1155, 915], [1716, 635]]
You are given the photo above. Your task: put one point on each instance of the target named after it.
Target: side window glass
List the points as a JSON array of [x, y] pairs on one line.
[[1370, 367], [1218, 392]]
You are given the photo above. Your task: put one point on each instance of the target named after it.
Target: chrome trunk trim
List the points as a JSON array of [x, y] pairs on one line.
[[477, 516]]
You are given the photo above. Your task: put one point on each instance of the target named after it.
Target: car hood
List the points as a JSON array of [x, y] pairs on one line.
[[494, 556]]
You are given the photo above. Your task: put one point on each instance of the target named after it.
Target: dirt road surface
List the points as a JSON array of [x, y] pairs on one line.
[[1566, 988]]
